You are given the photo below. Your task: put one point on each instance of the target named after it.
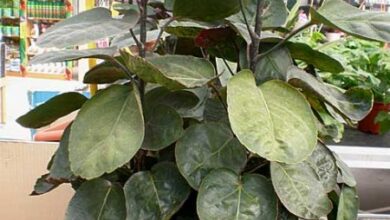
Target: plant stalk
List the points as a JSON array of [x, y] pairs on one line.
[[255, 45]]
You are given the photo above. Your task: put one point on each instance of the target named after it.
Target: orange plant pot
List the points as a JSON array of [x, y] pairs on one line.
[[368, 124]]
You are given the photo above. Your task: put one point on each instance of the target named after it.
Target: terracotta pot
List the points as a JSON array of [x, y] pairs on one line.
[[368, 124]]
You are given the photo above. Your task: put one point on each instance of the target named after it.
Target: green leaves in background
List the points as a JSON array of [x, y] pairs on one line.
[[155, 194], [273, 120], [105, 72], [172, 71], [354, 104], [348, 203], [60, 167], [321, 61], [97, 199], [273, 66], [65, 55], [51, 110], [225, 195], [205, 10], [205, 147], [383, 119], [107, 132], [300, 191], [343, 16], [85, 27], [163, 126]]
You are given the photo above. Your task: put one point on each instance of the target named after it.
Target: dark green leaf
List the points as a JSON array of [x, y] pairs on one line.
[[182, 101], [225, 195], [345, 173], [85, 27], [355, 103], [44, 185], [321, 61], [273, 120], [105, 72], [215, 111], [205, 10], [60, 168], [273, 66], [383, 119], [157, 194], [324, 165], [188, 28], [107, 132], [97, 199], [64, 55], [163, 126], [348, 204], [205, 147], [51, 110], [300, 191], [341, 15]]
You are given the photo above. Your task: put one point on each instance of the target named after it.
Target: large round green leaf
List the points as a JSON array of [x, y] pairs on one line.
[[225, 195], [348, 204], [355, 103], [323, 163], [157, 194], [51, 110], [273, 120], [107, 132], [163, 126], [300, 191], [205, 10], [205, 147], [87, 26], [60, 167], [341, 15], [97, 199], [105, 72]]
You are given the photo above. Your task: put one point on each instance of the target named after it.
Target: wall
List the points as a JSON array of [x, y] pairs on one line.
[[20, 165]]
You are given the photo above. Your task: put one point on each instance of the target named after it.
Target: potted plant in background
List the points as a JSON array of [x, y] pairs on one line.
[[215, 121], [367, 65]]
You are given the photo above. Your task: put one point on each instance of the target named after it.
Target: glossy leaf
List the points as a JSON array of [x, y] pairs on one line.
[[188, 28], [182, 101], [343, 16], [226, 195], [323, 163], [156, 194], [60, 167], [85, 27], [51, 110], [348, 204], [273, 66], [163, 126], [345, 173], [114, 123], [105, 72], [300, 191], [65, 55], [44, 185], [97, 199], [172, 71], [205, 147], [321, 61], [215, 111], [205, 10], [355, 103], [273, 120]]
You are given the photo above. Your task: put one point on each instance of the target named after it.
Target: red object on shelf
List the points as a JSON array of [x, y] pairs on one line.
[[53, 133], [368, 124]]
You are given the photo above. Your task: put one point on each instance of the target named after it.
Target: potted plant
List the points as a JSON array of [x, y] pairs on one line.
[[215, 121], [366, 65]]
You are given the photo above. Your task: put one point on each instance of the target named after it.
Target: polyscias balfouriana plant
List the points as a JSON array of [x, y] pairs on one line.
[[204, 114]]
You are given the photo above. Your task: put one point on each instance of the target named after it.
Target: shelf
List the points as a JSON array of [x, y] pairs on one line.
[[47, 75], [12, 37], [12, 73], [10, 18], [46, 19]]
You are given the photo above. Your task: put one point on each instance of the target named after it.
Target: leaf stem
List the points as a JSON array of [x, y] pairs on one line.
[[282, 42], [227, 65], [255, 44], [139, 45], [219, 96], [170, 20]]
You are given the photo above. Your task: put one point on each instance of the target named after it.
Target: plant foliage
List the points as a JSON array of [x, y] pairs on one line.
[[212, 119]]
